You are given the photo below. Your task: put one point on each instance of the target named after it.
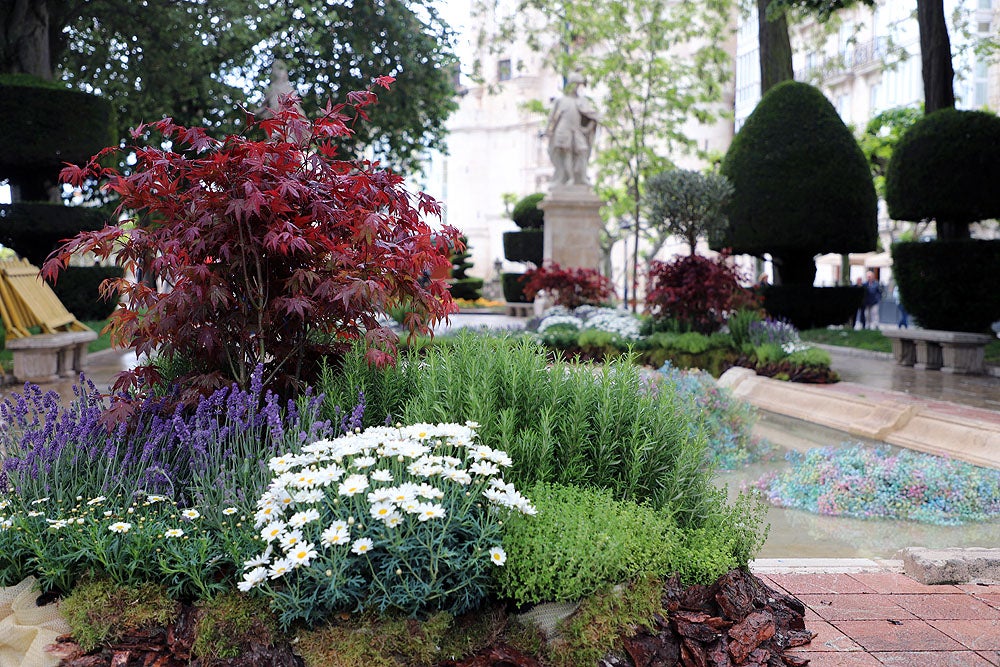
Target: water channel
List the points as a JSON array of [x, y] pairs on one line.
[[799, 534]]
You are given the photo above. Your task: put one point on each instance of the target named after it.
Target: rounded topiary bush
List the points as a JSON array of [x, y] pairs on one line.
[[946, 168], [34, 229], [43, 125], [526, 213], [524, 246], [937, 296], [513, 288], [802, 184], [79, 290]]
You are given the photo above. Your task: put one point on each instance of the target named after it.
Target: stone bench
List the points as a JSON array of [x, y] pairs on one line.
[[48, 357], [930, 349], [519, 309]]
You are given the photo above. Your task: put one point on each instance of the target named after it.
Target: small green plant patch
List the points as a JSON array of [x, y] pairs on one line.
[[100, 611], [862, 339], [229, 622]]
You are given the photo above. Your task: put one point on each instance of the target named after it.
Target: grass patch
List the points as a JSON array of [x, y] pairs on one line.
[[864, 339], [871, 339]]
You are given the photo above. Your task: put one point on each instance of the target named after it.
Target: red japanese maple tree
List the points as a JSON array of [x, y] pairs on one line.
[[569, 287], [698, 292], [276, 250]]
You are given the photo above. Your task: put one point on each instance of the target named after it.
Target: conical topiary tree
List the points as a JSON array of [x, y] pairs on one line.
[[802, 185], [946, 168], [464, 286]]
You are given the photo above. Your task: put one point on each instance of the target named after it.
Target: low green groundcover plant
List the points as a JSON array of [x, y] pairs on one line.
[[880, 482]]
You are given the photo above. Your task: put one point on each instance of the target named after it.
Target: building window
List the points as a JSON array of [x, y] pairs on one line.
[[503, 70], [985, 4], [873, 101]]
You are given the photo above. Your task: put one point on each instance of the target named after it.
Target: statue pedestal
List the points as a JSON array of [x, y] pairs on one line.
[[573, 227]]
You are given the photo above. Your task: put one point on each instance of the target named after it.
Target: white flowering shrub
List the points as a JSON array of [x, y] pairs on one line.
[[406, 518], [563, 322], [617, 322]]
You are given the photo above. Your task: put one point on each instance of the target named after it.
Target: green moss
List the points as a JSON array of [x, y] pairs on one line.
[[396, 641], [100, 611], [229, 622], [594, 630]]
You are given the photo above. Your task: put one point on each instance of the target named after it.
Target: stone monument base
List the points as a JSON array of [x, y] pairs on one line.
[[573, 227]]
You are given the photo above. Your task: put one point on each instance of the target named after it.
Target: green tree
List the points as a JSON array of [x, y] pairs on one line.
[[688, 204], [195, 61], [627, 50], [802, 186], [880, 137]]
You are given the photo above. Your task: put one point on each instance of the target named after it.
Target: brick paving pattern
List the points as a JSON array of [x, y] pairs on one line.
[[886, 618]]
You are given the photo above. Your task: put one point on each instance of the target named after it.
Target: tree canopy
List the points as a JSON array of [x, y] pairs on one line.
[[688, 204], [199, 62]]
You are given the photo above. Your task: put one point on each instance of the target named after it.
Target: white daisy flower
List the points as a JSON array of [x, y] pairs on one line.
[[191, 514], [361, 546], [229, 511], [498, 556], [252, 578], [381, 510], [335, 535], [96, 501], [120, 527], [280, 464], [173, 532], [262, 559], [382, 476], [279, 568], [428, 511], [290, 540], [353, 485], [272, 531], [300, 519], [302, 554], [363, 462]]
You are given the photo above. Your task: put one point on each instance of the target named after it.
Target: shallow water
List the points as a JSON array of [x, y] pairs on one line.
[[799, 534]]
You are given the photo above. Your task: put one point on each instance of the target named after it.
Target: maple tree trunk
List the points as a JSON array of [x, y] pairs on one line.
[[935, 56], [25, 45], [775, 49]]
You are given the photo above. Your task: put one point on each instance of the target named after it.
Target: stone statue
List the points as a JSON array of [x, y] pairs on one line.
[[571, 129], [278, 86]]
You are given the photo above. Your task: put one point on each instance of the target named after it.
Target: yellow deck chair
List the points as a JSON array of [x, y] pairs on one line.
[[26, 301]]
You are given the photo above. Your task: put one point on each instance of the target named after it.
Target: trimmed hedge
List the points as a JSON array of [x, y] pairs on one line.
[[949, 285], [946, 167], [526, 213], [42, 126], [524, 246], [78, 288], [466, 288], [34, 229], [802, 184], [809, 307], [513, 288]]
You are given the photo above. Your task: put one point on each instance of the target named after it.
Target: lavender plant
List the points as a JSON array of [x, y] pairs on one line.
[[58, 460]]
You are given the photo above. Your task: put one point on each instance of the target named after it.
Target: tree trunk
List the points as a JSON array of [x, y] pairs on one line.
[[25, 45], [775, 49], [935, 56]]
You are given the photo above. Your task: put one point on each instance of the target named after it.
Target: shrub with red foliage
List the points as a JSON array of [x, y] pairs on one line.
[[276, 250], [569, 287], [697, 292]]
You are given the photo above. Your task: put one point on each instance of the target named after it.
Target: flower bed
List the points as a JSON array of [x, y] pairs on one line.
[[771, 347], [880, 482]]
